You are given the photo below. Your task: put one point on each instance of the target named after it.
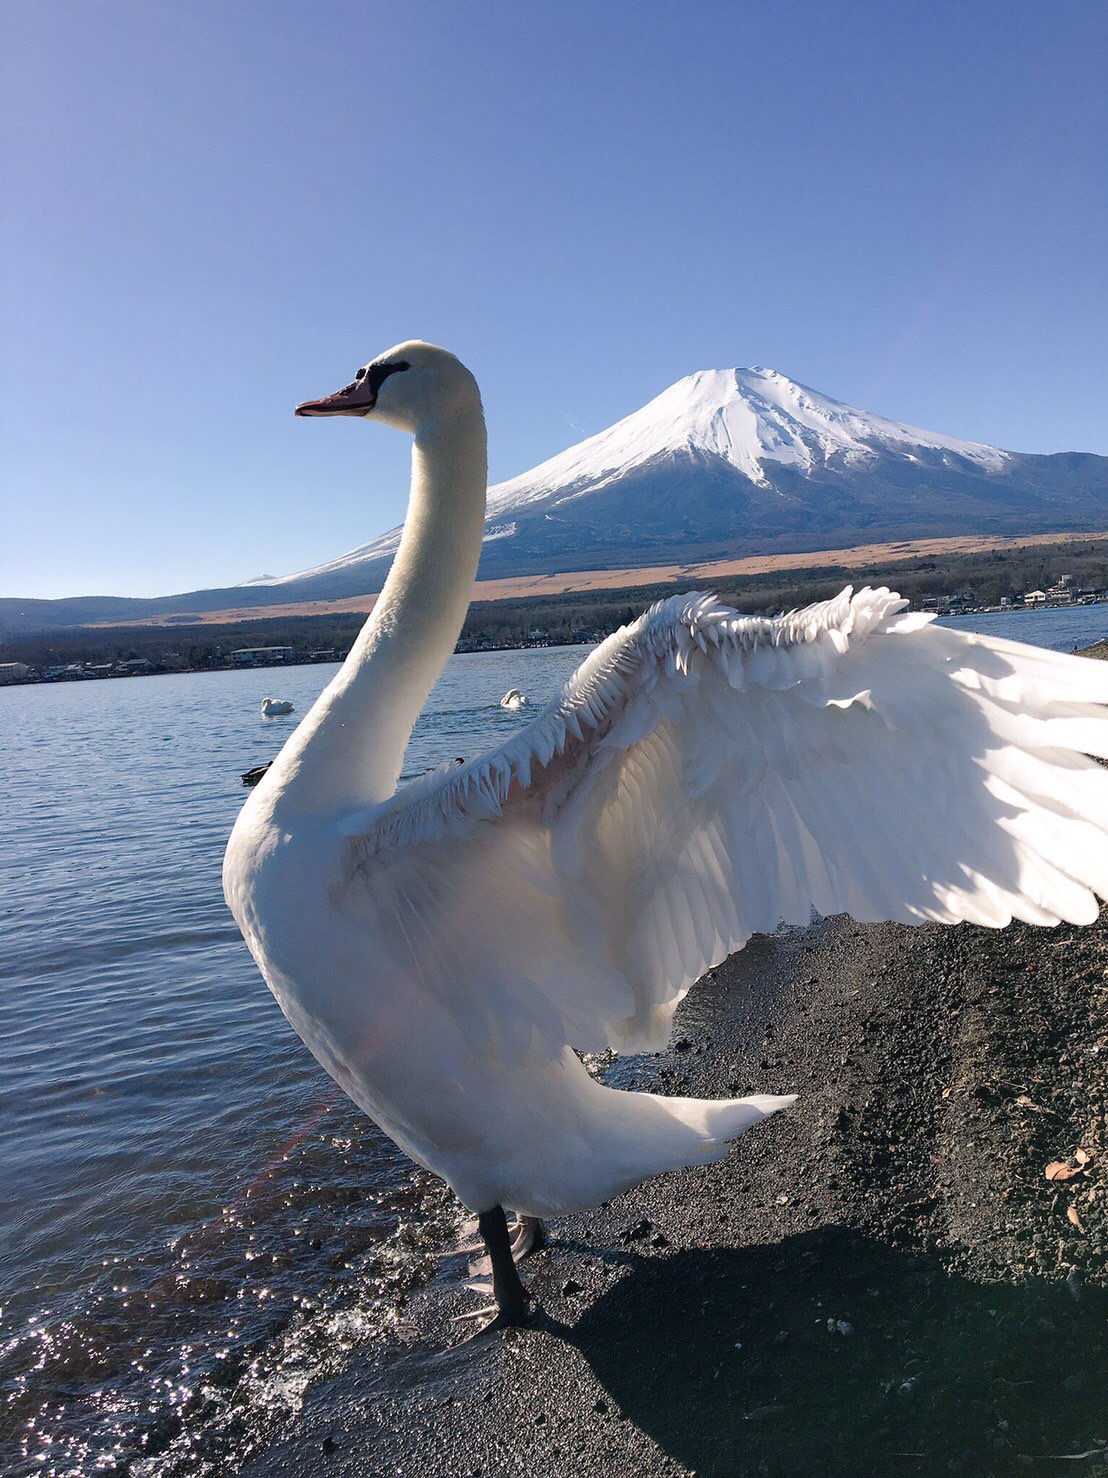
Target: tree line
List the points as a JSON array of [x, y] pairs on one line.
[[982, 579]]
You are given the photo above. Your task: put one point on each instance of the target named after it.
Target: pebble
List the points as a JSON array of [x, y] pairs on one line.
[[637, 1232]]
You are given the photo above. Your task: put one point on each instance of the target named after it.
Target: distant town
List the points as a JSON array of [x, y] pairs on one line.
[[62, 672], [1063, 593]]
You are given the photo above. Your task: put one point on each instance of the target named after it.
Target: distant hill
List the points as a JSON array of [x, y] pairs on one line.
[[723, 463]]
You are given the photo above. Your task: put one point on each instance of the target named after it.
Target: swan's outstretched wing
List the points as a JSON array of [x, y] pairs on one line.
[[706, 775]]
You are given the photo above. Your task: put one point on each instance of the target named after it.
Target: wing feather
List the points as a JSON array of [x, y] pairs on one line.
[[704, 776]]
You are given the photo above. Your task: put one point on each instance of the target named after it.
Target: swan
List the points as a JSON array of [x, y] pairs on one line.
[[275, 707], [444, 948], [513, 699]]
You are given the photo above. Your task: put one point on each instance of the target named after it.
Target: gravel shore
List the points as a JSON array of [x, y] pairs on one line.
[[882, 1280]]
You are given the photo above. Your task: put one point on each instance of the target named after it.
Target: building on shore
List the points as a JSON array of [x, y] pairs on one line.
[[14, 672], [261, 656]]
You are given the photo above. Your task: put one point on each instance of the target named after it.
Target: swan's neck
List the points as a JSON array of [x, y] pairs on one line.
[[348, 750]]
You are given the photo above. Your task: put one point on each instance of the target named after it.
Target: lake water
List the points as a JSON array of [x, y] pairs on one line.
[[194, 1223], [1062, 628]]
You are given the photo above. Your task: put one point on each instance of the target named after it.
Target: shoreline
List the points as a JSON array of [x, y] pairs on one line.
[[31, 682], [880, 1280]]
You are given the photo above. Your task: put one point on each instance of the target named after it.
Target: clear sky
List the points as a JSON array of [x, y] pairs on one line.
[[216, 208]]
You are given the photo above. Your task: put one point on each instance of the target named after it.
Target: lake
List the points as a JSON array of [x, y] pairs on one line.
[[194, 1223]]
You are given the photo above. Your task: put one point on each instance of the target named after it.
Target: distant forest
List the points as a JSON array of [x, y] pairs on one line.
[[981, 579]]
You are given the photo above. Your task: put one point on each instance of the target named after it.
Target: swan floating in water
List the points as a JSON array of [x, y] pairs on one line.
[[513, 699], [444, 948], [275, 707]]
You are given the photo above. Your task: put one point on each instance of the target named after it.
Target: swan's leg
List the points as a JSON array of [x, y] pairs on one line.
[[511, 1301], [507, 1290], [528, 1235]]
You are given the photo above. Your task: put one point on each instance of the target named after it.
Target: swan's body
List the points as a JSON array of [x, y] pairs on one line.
[[275, 707], [513, 699], [704, 775]]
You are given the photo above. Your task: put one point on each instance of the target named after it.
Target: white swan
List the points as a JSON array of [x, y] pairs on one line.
[[704, 775], [275, 707], [513, 699]]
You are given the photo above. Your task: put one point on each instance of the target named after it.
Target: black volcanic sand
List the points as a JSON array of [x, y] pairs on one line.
[[882, 1280]]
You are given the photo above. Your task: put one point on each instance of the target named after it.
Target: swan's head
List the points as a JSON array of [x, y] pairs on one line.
[[405, 387]]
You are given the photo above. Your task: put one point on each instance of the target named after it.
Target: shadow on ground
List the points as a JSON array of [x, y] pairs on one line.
[[831, 1353]]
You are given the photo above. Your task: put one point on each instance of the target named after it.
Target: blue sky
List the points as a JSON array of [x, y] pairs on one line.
[[215, 210]]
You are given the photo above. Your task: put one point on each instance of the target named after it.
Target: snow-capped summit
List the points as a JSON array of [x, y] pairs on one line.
[[724, 461], [747, 417]]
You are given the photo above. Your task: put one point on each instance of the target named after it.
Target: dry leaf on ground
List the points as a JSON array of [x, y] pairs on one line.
[[1067, 1169], [1062, 1170]]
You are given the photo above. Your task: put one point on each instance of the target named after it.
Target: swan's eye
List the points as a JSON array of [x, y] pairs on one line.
[[360, 374]]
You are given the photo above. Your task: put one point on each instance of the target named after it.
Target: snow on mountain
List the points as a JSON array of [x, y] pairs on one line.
[[748, 417], [755, 421]]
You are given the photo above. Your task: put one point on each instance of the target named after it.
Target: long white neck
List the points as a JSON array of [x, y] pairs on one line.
[[348, 750]]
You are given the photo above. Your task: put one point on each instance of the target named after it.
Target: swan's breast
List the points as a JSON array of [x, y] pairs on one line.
[[332, 978]]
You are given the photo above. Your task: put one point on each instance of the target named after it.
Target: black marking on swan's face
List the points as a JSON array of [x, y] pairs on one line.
[[372, 376], [360, 396]]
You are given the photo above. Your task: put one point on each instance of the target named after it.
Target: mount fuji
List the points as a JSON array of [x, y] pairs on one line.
[[747, 461], [724, 463]]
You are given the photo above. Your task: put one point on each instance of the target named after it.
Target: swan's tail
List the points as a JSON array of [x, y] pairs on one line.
[[665, 1133], [632, 1136]]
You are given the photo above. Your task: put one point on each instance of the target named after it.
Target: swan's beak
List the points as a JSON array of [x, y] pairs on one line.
[[352, 400]]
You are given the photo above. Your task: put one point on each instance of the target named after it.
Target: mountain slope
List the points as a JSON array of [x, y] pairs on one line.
[[748, 461]]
